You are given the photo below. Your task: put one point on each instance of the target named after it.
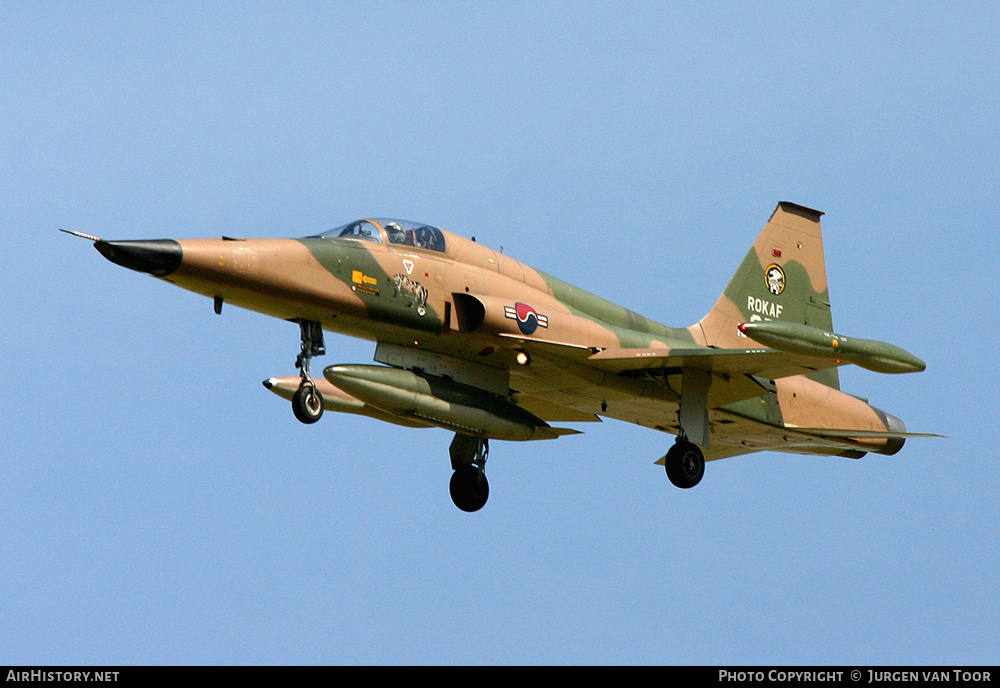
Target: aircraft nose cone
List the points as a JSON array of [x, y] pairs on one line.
[[158, 257]]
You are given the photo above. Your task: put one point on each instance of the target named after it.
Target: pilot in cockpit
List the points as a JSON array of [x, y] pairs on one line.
[[398, 235], [424, 237]]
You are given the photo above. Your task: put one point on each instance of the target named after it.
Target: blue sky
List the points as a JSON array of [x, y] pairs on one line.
[[159, 506]]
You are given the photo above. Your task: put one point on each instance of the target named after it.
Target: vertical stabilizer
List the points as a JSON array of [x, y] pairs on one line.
[[782, 277]]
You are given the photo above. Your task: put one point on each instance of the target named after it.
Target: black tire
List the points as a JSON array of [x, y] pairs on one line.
[[469, 488], [307, 404], [685, 464]]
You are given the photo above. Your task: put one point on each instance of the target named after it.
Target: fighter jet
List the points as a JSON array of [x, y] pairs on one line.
[[472, 341]]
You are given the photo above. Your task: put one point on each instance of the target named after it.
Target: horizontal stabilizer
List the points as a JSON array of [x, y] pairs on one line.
[[862, 434], [557, 432]]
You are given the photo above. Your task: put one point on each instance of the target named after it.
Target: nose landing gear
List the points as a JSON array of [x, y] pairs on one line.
[[307, 402]]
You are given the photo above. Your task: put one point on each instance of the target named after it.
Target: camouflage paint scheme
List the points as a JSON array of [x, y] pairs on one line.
[[465, 308]]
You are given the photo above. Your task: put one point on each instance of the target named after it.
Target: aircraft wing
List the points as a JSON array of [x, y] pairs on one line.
[[568, 382], [765, 363], [737, 374]]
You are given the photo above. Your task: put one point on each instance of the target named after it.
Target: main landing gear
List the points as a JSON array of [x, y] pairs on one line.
[[685, 463], [469, 488], [307, 402]]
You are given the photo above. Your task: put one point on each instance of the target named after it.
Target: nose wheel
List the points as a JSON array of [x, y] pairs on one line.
[[307, 402]]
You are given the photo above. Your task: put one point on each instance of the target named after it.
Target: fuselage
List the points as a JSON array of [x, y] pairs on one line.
[[419, 287], [403, 293]]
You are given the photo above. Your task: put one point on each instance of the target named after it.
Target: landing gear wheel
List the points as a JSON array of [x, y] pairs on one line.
[[469, 488], [307, 404], [685, 464]]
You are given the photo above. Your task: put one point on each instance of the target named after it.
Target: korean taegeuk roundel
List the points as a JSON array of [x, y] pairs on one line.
[[528, 319]]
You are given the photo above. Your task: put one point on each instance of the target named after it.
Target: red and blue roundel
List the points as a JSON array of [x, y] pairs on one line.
[[528, 319]]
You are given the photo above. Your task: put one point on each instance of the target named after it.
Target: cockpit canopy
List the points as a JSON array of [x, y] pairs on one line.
[[399, 232]]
